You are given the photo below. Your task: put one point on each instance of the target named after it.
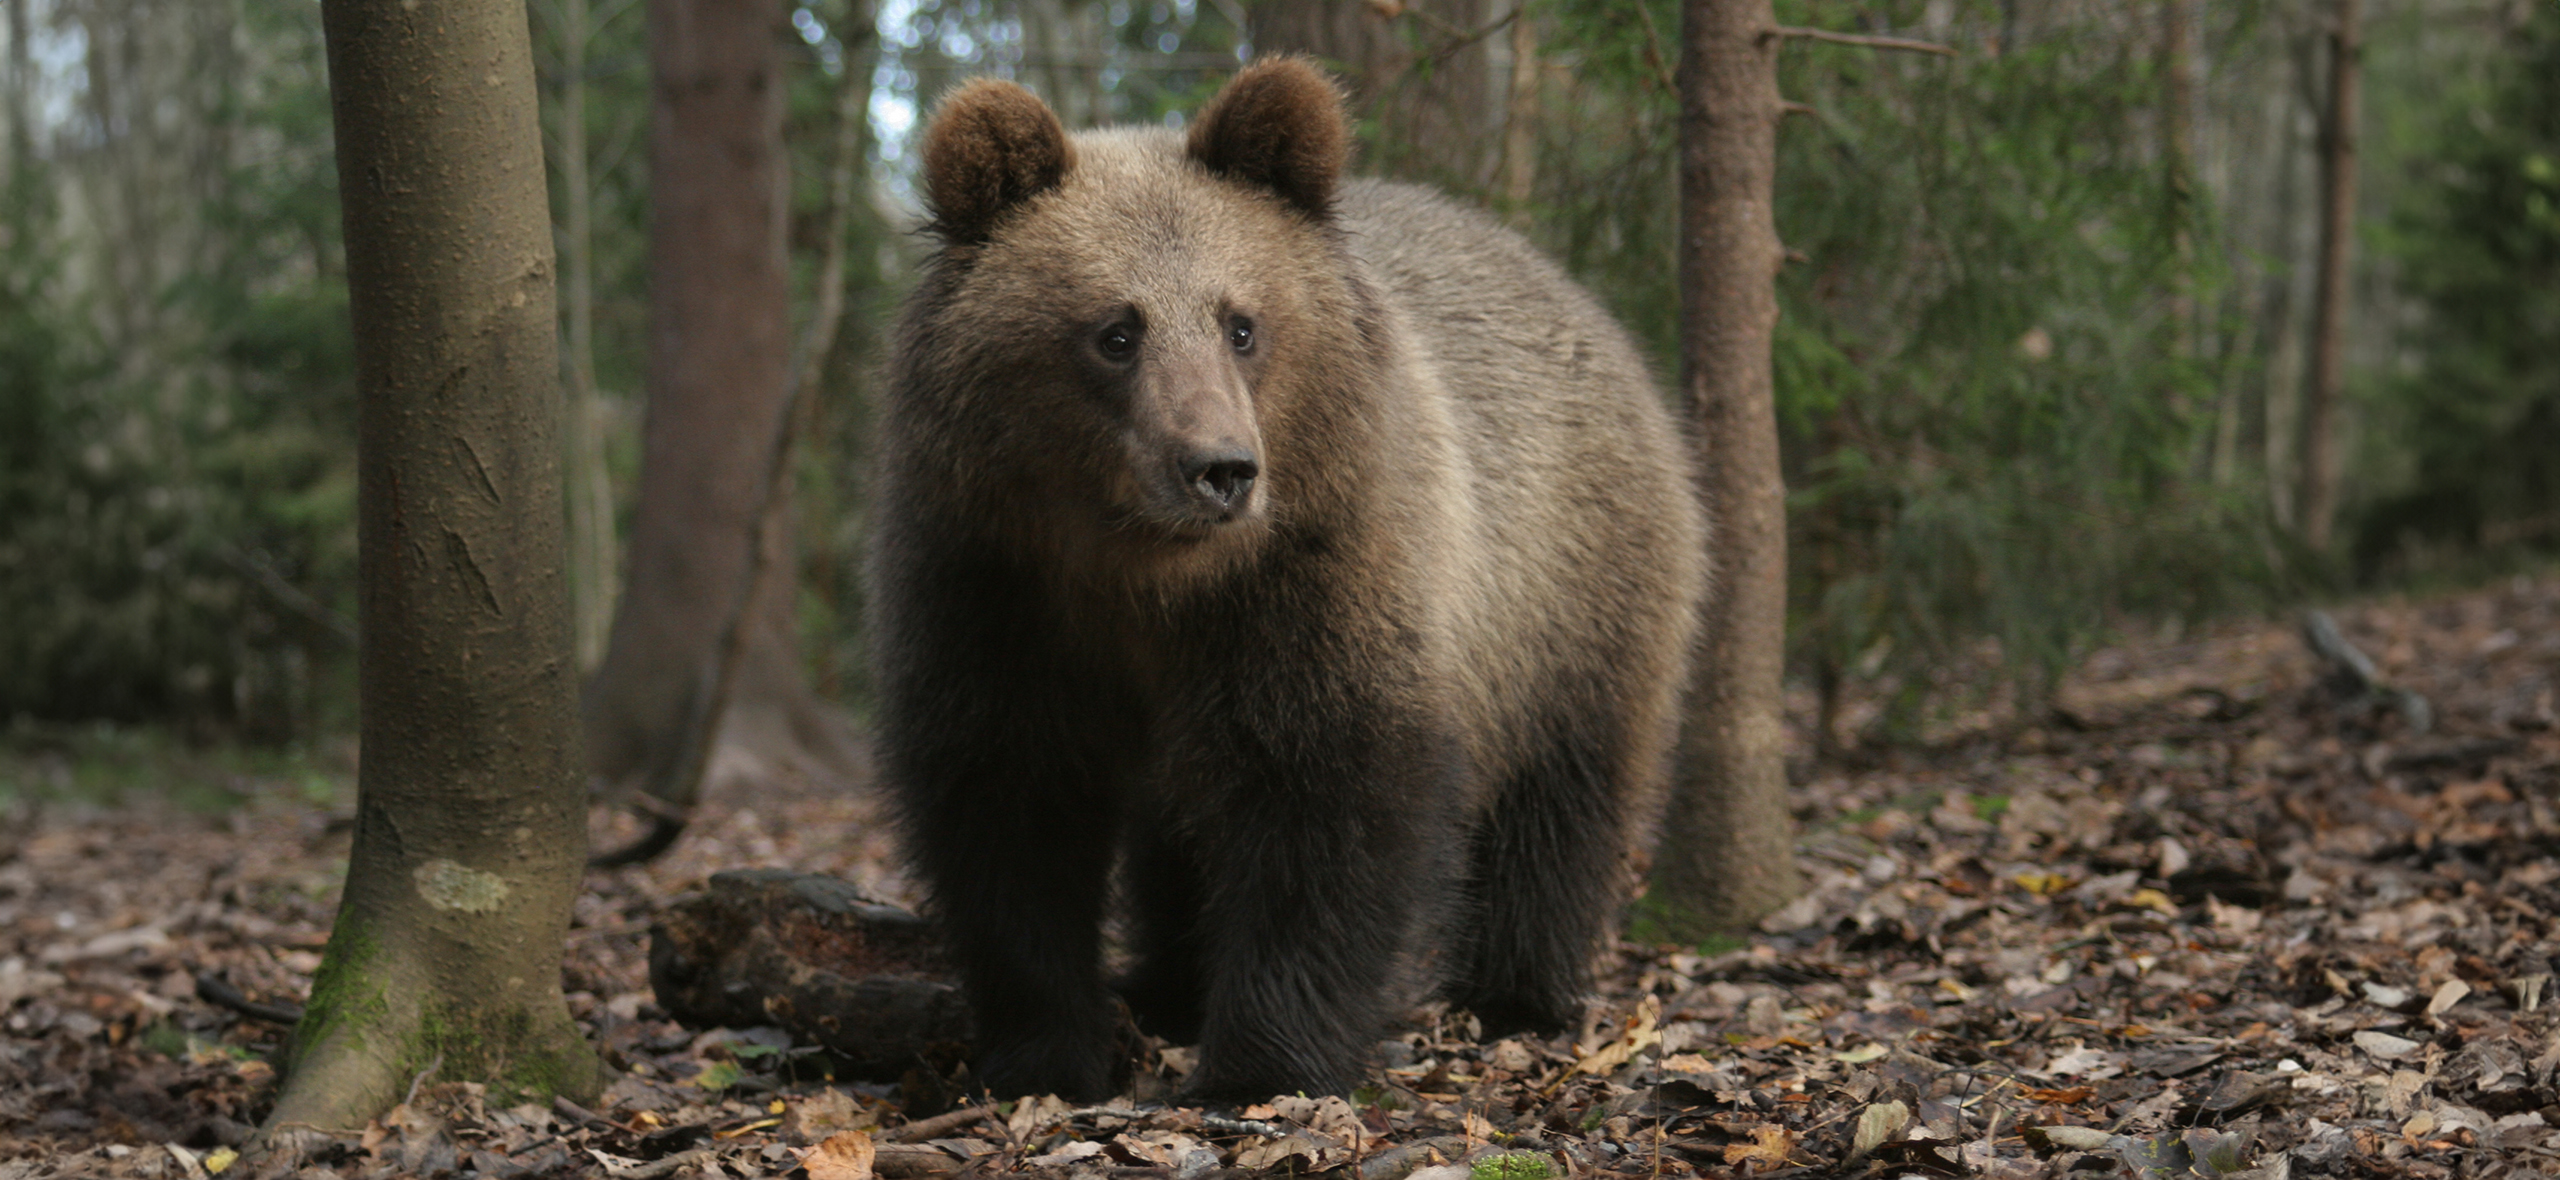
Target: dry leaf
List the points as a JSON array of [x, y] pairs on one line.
[[2152, 899], [1770, 1144], [1877, 1125], [1635, 1036], [822, 1114], [2384, 1045], [1067, 1153], [2447, 996], [845, 1155], [2043, 884], [2067, 1097]]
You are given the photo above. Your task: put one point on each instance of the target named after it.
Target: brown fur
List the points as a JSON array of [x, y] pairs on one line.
[[1407, 690]]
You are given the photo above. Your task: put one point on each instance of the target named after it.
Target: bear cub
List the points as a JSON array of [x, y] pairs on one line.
[[1309, 556]]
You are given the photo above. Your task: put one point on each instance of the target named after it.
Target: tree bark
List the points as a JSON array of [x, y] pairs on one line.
[[21, 90], [719, 379], [594, 557], [1727, 851], [2318, 508], [1520, 121], [2177, 162], [470, 819]]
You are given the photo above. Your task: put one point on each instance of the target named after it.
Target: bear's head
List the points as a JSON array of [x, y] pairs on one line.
[[1120, 348]]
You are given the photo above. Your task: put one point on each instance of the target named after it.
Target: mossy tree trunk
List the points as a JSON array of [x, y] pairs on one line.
[[1727, 854], [470, 828]]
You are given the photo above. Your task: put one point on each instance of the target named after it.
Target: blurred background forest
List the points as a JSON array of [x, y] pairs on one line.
[[2049, 317]]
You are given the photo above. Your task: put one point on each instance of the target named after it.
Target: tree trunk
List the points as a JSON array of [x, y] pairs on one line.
[[2319, 505], [1727, 851], [719, 377], [21, 90], [1520, 121], [1430, 90], [470, 818], [2177, 163], [594, 558]]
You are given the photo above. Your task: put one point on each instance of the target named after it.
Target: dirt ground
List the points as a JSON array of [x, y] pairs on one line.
[[2210, 918]]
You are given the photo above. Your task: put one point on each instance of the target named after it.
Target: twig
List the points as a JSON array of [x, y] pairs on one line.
[[939, 1125], [667, 1166], [2352, 674], [423, 1075], [581, 1115], [1463, 40], [1902, 43], [1219, 1122], [289, 595], [212, 989], [1653, 49]]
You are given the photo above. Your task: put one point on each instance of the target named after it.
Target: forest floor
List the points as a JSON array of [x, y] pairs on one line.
[[2209, 919]]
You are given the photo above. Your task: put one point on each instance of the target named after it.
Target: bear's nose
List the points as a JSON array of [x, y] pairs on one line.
[[1222, 478]]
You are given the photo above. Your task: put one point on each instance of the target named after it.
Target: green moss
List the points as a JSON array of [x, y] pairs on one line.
[[1989, 807], [1722, 944], [347, 992], [1651, 920], [1512, 1165], [520, 1058]]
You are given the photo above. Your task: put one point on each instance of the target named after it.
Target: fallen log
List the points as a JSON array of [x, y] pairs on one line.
[[813, 956]]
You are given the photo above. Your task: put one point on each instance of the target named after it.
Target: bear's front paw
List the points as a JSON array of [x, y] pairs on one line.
[[1239, 1079]]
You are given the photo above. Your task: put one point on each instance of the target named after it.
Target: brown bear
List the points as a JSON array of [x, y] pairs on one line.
[[1311, 551]]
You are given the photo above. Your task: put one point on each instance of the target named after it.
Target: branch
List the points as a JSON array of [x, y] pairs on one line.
[[1653, 51], [1902, 43], [2351, 675]]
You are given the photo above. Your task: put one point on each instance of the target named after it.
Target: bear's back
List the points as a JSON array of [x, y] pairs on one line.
[[1584, 543]]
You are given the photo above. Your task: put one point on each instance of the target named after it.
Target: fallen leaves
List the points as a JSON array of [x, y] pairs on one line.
[[2165, 940]]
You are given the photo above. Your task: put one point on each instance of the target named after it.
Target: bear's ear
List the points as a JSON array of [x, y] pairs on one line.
[[992, 146], [1280, 125]]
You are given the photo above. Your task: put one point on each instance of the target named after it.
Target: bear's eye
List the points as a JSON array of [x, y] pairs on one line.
[[1240, 334], [1117, 342]]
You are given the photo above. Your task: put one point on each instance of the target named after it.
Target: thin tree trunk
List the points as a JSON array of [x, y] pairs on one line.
[[594, 557], [470, 817], [719, 377], [21, 90], [1727, 851], [1520, 120], [2319, 504], [2177, 162]]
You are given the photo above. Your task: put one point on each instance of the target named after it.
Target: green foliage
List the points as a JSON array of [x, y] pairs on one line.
[[1991, 419], [102, 765], [1990, 426], [2476, 418], [176, 513]]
